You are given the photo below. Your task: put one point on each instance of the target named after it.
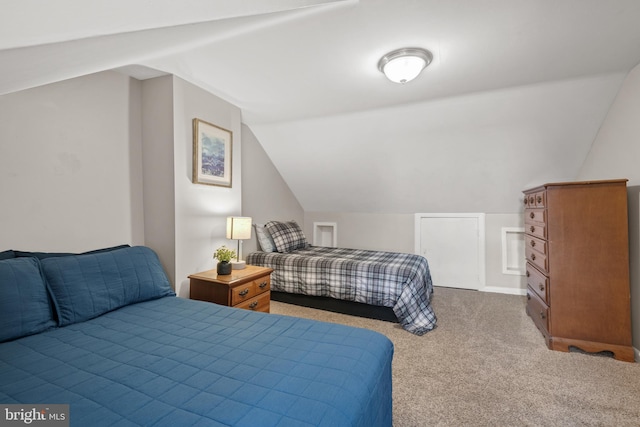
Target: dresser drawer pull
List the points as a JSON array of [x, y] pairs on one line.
[[532, 229], [533, 257], [528, 297], [531, 200], [542, 316], [539, 199], [532, 215], [533, 243], [253, 305], [244, 292], [263, 285], [541, 287], [528, 274]]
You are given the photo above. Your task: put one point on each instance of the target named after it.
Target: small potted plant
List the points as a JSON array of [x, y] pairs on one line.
[[224, 255]]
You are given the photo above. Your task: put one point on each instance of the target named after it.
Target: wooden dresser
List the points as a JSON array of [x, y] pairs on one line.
[[577, 250], [248, 288]]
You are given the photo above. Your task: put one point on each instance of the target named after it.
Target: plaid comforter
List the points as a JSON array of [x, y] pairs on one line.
[[398, 280]]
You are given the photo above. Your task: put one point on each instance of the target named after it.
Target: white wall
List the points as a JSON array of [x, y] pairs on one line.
[[265, 195], [357, 230], [471, 153], [105, 159], [201, 211], [495, 279], [159, 192], [396, 233], [616, 154], [70, 165]]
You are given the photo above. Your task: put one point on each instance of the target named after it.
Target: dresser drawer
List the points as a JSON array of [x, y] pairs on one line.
[[536, 244], [257, 303], [536, 230], [538, 311], [536, 200], [536, 258], [538, 282], [536, 216]]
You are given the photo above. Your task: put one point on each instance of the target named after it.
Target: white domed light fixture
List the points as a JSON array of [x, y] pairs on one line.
[[404, 65]]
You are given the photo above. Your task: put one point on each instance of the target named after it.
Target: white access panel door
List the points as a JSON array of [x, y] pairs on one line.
[[453, 244]]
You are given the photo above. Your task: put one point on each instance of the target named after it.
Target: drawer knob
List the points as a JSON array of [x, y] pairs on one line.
[[539, 199], [541, 287], [244, 292], [532, 215], [528, 274], [532, 229], [253, 305], [263, 285], [533, 257], [526, 201], [542, 316], [533, 243], [528, 296]]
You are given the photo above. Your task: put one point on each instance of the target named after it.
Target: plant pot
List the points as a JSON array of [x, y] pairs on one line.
[[224, 268]]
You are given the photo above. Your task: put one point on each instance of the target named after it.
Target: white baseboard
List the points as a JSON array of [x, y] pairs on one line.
[[500, 290]]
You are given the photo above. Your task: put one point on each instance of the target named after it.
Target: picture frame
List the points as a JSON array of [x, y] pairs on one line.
[[212, 154]]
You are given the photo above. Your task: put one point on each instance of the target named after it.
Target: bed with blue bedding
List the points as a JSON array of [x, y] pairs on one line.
[[104, 333]]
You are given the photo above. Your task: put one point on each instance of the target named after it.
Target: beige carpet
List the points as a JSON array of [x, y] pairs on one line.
[[486, 364]]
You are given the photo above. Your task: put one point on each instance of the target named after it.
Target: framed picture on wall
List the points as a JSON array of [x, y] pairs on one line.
[[211, 154]]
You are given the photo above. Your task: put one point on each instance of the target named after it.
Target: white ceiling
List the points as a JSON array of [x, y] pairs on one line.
[[515, 94]]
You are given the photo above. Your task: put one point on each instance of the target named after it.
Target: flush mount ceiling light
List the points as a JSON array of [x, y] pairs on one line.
[[404, 65]]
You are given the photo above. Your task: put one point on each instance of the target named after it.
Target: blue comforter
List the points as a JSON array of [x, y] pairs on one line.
[[178, 362]]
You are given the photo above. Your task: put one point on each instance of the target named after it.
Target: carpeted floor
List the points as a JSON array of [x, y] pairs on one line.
[[486, 364]]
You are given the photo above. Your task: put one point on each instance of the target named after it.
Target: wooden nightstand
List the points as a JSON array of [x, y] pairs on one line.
[[247, 288]]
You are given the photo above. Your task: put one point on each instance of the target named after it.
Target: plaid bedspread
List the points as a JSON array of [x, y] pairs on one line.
[[390, 279]]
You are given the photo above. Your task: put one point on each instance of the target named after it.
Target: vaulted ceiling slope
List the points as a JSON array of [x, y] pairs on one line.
[[515, 95]]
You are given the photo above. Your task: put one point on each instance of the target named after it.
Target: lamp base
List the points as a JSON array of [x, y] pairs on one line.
[[238, 265]]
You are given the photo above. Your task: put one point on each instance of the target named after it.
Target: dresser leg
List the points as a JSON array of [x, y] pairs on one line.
[[620, 352]]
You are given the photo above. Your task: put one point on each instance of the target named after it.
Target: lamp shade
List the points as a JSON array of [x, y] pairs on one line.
[[238, 227], [404, 65]]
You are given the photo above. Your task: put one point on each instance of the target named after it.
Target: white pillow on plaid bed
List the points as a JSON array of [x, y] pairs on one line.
[[265, 241], [287, 236]]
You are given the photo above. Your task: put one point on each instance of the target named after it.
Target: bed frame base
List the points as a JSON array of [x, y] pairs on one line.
[[337, 306]]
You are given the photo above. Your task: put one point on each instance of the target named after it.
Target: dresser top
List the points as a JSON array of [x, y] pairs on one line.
[[564, 184]]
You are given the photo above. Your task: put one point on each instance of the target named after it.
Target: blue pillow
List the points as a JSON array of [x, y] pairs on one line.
[[86, 286], [43, 255], [7, 254], [25, 307]]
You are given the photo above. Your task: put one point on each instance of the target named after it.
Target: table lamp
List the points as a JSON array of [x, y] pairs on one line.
[[238, 228]]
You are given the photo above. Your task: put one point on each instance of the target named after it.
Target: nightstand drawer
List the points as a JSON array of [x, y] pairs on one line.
[[243, 293], [263, 284], [249, 290], [258, 303]]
